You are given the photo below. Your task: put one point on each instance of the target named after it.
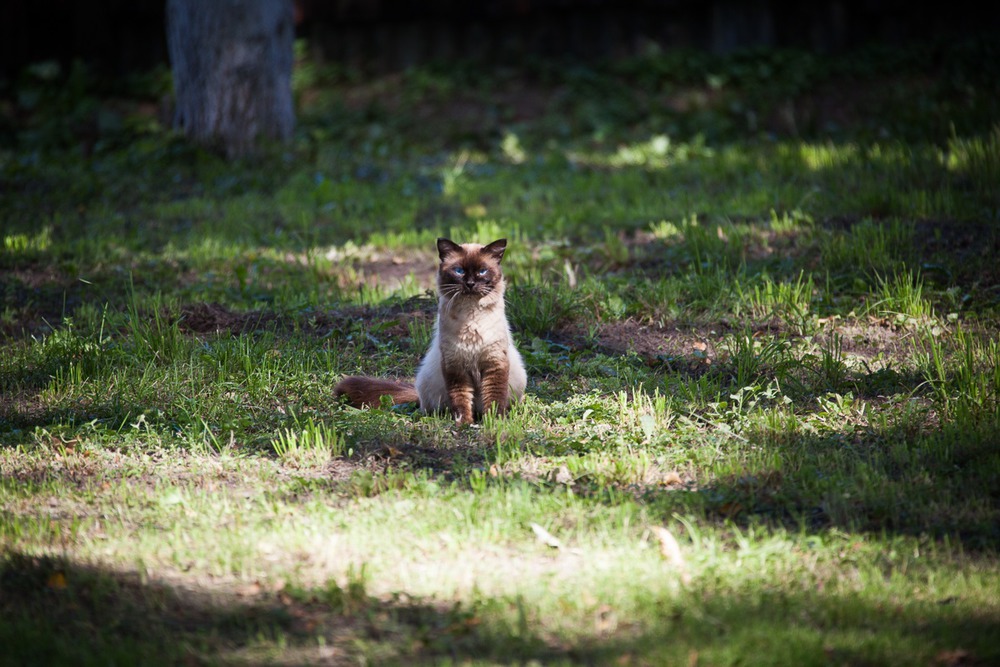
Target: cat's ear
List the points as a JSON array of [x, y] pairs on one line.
[[447, 247], [496, 249]]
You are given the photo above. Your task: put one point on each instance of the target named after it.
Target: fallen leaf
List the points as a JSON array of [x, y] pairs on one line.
[[56, 581], [671, 551], [249, 590], [563, 476], [545, 537], [669, 548], [672, 478]]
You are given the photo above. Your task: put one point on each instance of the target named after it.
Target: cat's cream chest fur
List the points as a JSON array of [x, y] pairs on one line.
[[464, 333]]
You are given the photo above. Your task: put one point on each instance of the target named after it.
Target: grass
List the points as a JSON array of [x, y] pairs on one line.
[[764, 394]]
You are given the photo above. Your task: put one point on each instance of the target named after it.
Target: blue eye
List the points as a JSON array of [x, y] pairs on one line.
[[483, 272], [459, 271]]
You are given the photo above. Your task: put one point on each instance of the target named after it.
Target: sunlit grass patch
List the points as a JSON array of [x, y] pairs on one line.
[[978, 159], [14, 244], [308, 441]]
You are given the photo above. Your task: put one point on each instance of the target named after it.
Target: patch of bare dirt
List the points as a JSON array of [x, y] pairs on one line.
[[867, 340], [693, 350], [215, 318], [392, 272], [40, 296], [21, 407], [653, 479]]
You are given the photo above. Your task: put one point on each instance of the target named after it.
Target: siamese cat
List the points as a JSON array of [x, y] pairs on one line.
[[472, 364]]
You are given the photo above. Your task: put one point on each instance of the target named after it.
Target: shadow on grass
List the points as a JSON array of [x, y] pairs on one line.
[[907, 480], [56, 612]]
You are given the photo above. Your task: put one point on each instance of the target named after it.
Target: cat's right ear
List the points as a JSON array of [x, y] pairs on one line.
[[447, 247]]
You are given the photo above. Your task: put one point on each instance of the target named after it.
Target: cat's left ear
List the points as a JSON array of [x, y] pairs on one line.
[[496, 249]]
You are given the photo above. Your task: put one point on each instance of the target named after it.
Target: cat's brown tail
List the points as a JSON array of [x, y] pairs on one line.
[[366, 392]]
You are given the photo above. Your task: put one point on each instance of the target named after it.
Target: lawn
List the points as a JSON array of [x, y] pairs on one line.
[[759, 301]]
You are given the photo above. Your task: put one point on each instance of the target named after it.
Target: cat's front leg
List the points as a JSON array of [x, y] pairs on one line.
[[461, 394], [495, 376]]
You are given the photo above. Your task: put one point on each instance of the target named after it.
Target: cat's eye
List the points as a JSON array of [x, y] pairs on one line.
[[483, 272], [459, 271]]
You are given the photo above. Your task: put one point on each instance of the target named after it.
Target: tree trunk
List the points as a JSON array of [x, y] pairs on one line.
[[232, 67]]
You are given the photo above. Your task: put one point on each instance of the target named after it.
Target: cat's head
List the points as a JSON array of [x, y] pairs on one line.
[[470, 269]]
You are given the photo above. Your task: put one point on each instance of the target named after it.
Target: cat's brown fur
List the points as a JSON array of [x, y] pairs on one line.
[[472, 364], [366, 392]]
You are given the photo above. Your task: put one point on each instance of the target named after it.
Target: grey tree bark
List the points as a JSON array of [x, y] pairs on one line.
[[232, 70]]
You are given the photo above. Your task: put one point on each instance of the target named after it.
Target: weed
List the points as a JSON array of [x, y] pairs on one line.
[[752, 358], [538, 310], [308, 441], [788, 301]]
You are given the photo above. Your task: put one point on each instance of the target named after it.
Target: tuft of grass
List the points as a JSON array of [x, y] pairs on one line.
[[752, 358], [966, 383], [539, 310], [901, 297], [978, 160], [788, 301], [308, 441]]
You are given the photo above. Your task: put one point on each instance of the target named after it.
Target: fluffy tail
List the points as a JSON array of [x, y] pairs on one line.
[[366, 392]]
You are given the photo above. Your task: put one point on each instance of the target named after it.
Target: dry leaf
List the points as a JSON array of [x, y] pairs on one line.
[[672, 478], [249, 590], [563, 476], [671, 551], [669, 548], [56, 581], [545, 537]]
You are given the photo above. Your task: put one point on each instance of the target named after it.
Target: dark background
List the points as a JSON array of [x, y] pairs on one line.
[[120, 36]]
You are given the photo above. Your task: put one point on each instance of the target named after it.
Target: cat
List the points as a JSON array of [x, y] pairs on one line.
[[472, 364]]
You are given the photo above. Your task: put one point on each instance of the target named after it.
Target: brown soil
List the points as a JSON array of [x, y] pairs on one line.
[[691, 350]]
